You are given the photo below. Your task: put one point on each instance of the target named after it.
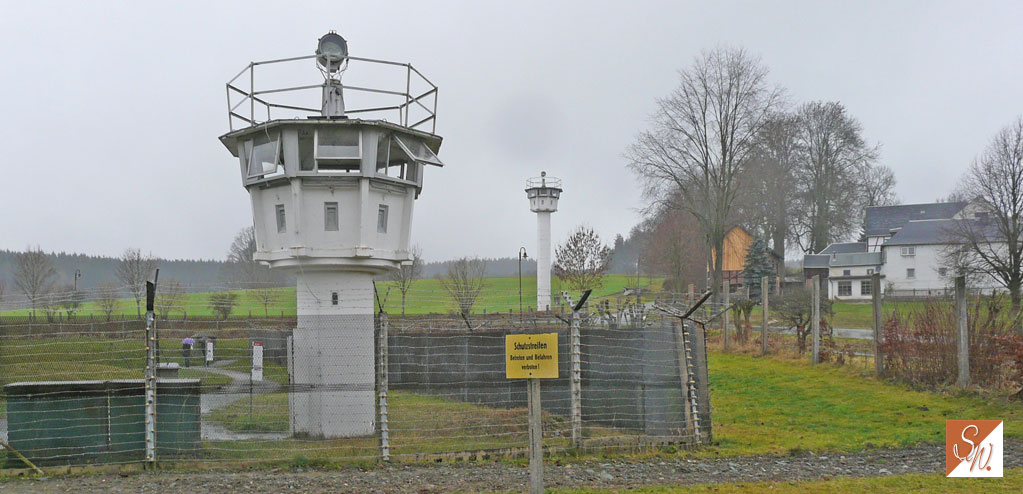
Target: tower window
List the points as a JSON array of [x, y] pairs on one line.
[[282, 225], [330, 220], [382, 219]]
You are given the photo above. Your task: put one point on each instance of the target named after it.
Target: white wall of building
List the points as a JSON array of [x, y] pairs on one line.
[[925, 263], [857, 275]]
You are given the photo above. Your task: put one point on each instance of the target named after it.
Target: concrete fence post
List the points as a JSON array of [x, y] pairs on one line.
[[576, 381], [383, 427], [963, 338], [816, 319], [763, 328], [875, 293]]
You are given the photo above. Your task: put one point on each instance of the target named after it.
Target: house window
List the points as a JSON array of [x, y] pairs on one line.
[[846, 272], [382, 219], [282, 225], [844, 288], [866, 288], [330, 222], [333, 298], [908, 251], [942, 272], [870, 271], [910, 273]]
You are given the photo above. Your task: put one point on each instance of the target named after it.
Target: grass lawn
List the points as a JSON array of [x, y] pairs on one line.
[[777, 406], [419, 424], [931, 483], [426, 296]]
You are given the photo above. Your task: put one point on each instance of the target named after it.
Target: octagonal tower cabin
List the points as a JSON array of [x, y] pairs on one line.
[[332, 203], [543, 193]]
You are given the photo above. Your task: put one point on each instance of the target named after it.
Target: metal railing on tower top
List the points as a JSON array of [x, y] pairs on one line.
[[409, 107]]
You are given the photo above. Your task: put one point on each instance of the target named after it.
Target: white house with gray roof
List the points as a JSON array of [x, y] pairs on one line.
[[905, 244]]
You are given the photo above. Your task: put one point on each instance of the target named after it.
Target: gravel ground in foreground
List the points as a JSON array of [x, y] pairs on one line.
[[428, 479]]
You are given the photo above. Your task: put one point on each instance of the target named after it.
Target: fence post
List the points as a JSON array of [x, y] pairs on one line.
[[682, 353], [964, 336], [576, 380], [727, 288], [535, 437], [816, 321], [875, 291], [763, 328], [383, 427], [150, 374]]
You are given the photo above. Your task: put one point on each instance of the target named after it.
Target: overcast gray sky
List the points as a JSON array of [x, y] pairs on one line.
[[110, 112]]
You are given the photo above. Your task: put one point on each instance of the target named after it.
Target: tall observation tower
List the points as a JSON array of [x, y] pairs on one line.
[[543, 193], [332, 188]]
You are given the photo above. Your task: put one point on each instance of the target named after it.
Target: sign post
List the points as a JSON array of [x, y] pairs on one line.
[[533, 357]]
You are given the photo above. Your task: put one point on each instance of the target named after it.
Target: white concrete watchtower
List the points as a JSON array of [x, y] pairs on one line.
[[543, 193], [332, 199]]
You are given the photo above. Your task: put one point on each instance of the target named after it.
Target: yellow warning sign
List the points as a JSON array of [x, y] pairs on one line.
[[531, 356]]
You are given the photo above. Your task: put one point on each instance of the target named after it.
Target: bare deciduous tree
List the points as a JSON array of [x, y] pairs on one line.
[[266, 291], [582, 260], [769, 182], [241, 269], [702, 138], [832, 159], [34, 275], [133, 269], [675, 249], [464, 282], [795, 307], [878, 186], [108, 298], [993, 244], [408, 273], [169, 296]]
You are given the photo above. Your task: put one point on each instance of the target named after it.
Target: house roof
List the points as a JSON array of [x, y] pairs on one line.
[[813, 261], [880, 220], [844, 248], [816, 261], [940, 232], [857, 259]]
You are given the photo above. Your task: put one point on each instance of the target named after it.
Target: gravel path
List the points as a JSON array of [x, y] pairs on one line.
[[427, 479]]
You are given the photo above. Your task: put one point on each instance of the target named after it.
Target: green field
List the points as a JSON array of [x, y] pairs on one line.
[[777, 406], [425, 297]]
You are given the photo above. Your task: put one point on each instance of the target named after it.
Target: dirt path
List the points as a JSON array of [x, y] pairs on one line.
[[503, 477]]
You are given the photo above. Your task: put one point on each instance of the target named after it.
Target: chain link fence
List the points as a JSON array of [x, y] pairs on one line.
[[350, 388]]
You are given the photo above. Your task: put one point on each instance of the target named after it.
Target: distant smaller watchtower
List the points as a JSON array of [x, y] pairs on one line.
[[543, 193]]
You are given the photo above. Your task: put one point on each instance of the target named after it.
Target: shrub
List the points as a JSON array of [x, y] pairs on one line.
[[222, 303], [921, 348]]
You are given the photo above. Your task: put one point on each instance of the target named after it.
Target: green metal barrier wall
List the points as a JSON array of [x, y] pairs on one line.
[[74, 422]]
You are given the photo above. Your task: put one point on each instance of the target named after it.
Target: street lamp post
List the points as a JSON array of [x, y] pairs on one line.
[[522, 255]]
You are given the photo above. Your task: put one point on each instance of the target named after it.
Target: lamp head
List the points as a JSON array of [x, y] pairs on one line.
[[331, 51]]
